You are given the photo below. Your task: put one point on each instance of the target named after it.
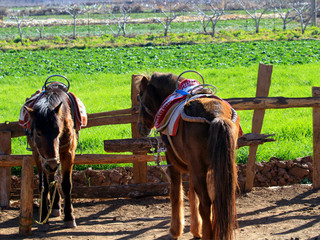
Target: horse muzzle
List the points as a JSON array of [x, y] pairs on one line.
[[143, 130], [50, 165]]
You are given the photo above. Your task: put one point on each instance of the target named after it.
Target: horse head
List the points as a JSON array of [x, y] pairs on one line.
[[46, 128], [152, 92]]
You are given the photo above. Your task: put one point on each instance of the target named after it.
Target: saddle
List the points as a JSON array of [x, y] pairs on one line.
[[173, 107], [78, 109]]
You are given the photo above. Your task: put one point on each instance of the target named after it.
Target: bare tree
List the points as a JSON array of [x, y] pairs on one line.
[[252, 8], [120, 20], [284, 10], [202, 18], [74, 11], [305, 14], [216, 10], [168, 13], [20, 20], [40, 29]]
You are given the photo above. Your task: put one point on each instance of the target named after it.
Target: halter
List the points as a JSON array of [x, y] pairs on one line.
[[147, 110], [49, 159]]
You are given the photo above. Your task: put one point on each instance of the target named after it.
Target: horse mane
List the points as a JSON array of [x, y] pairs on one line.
[[50, 100], [164, 81]]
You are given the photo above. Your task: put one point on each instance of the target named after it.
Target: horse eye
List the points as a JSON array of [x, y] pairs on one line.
[[39, 134]]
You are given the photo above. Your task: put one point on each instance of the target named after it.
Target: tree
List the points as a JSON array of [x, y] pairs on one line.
[[252, 8], [284, 10], [304, 12], [216, 10], [167, 10], [120, 20], [20, 20], [74, 11], [40, 29]]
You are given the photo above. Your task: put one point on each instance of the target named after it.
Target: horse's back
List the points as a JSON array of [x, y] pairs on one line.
[[207, 108]]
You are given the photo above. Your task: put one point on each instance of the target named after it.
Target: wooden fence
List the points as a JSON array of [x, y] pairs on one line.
[[140, 158]]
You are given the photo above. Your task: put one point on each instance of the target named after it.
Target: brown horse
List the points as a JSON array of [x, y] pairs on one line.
[[53, 140], [206, 150]]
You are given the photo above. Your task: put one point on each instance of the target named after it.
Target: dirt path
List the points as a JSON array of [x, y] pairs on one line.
[[265, 213]]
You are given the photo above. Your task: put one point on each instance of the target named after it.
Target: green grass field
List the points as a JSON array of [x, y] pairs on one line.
[[105, 92]]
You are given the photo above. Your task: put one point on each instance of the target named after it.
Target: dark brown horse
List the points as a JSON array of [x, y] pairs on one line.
[[206, 150], [53, 140]]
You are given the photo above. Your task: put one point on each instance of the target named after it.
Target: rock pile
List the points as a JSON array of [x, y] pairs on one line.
[[276, 172]]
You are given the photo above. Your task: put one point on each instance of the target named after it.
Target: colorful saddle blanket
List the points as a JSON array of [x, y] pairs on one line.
[[169, 113], [78, 110]]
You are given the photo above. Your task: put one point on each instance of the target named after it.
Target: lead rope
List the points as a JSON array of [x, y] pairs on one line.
[[157, 156], [53, 183]]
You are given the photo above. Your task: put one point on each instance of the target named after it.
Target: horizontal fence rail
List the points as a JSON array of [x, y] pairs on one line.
[[130, 115]]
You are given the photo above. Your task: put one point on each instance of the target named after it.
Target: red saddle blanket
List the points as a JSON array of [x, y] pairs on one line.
[[169, 112], [168, 116], [77, 108]]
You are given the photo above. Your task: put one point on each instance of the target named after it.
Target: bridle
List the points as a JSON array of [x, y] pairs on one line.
[[147, 110], [58, 157]]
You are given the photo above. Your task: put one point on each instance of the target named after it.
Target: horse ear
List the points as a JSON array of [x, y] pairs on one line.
[[57, 108], [30, 111], [141, 82]]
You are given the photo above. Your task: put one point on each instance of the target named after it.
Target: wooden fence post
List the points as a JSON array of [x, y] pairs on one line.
[[26, 196], [139, 168], [316, 141], [263, 86], [5, 172]]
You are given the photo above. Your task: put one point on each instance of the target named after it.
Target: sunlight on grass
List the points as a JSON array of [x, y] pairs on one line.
[[106, 92]]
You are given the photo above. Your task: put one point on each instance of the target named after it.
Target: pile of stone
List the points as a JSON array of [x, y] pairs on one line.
[[276, 172]]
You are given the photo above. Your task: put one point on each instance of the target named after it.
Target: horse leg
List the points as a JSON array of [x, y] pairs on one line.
[[176, 199], [196, 221], [55, 197], [200, 187], [66, 167]]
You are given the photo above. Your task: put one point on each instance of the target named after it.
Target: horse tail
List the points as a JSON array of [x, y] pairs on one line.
[[222, 177]]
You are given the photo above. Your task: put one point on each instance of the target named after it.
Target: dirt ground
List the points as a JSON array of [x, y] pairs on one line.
[[291, 212]]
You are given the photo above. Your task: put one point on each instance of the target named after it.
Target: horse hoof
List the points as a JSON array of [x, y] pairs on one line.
[[70, 224], [56, 212], [43, 227], [171, 237]]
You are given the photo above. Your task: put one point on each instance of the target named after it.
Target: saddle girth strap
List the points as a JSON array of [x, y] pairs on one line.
[[174, 149]]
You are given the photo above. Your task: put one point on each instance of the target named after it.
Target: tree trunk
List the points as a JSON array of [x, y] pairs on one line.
[[213, 29], [20, 33], [166, 31], [74, 27], [257, 25]]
